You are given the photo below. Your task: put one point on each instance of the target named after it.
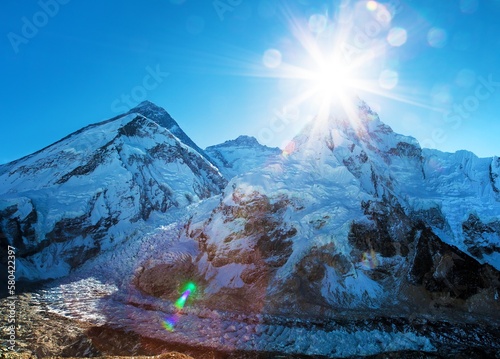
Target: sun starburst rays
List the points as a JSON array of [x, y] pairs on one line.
[[325, 62], [331, 78]]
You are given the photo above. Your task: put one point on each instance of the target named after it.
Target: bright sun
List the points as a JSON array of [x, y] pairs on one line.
[[337, 55], [331, 79]]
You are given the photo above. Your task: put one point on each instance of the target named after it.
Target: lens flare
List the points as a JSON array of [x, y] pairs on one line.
[[369, 260], [318, 23], [371, 5], [169, 323], [437, 37], [179, 304], [332, 78], [329, 57], [289, 149], [388, 79], [191, 287], [469, 6], [271, 58], [397, 36]]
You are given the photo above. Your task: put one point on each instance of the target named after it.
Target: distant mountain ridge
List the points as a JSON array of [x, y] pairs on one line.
[[235, 157]]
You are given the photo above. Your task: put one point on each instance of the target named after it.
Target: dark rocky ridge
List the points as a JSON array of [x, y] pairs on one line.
[[163, 118]]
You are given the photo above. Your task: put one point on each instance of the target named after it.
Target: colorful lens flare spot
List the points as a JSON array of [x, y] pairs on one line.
[[169, 323], [289, 149], [272, 58], [318, 23], [371, 5], [190, 288], [179, 304], [369, 260], [388, 79], [397, 36], [437, 37]]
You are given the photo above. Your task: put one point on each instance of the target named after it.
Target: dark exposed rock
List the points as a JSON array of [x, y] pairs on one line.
[[442, 268], [276, 245], [136, 127], [432, 216], [270, 240], [366, 238], [414, 258], [386, 234], [19, 232], [76, 256], [478, 234], [142, 190], [70, 228], [404, 149], [99, 158]]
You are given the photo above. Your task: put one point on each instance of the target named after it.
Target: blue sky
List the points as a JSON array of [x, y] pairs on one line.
[[230, 67]]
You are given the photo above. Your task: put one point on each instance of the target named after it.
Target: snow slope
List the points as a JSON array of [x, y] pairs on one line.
[[241, 155], [90, 191]]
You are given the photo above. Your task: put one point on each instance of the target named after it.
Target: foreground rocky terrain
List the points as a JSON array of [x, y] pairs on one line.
[[41, 333]]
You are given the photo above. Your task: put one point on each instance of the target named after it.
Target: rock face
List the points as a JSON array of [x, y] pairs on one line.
[[443, 269], [93, 189]]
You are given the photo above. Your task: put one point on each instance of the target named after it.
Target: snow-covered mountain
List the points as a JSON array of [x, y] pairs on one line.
[[93, 189], [354, 216], [241, 155], [163, 118], [349, 221]]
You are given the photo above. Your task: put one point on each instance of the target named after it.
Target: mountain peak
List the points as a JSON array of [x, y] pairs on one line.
[[148, 106], [242, 140], [247, 140], [344, 126], [146, 103], [159, 115], [241, 155], [156, 113]]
